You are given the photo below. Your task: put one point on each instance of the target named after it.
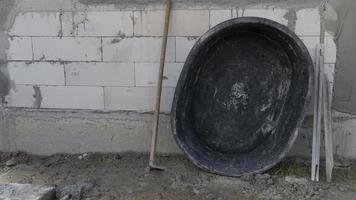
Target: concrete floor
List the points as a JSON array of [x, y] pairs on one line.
[[114, 176]]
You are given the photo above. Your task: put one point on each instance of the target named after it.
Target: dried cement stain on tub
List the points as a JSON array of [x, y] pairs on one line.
[[237, 96]]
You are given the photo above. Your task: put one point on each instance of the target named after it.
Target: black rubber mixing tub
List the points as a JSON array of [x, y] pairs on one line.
[[241, 96]]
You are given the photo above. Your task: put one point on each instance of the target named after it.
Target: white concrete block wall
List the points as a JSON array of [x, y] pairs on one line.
[[330, 48], [183, 46], [63, 97], [100, 74], [108, 60], [20, 48], [272, 14], [72, 97], [110, 23], [136, 49], [21, 96], [67, 48], [308, 22], [182, 23], [36, 73], [136, 98], [218, 16], [146, 74], [37, 24]]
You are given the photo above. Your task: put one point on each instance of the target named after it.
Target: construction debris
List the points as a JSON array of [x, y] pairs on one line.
[[16, 191]]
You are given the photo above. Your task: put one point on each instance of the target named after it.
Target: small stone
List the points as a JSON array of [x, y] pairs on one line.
[[247, 177], [295, 180], [277, 197], [270, 181], [10, 163], [66, 197], [259, 176], [209, 195], [196, 191], [325, 187], [47, 164], [142, 184], [267, 175], [76, 190], [262, 176], [117, 157], [129, 191], [348, 176], [84, 156], [342, 189]]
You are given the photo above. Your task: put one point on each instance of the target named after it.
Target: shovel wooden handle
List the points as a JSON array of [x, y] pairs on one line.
[[159, 82]]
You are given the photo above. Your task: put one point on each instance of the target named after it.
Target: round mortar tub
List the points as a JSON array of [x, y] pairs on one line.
[[242, 96]]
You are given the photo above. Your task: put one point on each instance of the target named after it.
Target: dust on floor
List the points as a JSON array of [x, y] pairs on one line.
[[114, 176]]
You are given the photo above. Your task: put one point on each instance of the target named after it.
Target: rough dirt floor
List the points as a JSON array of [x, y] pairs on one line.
[[114, 176]]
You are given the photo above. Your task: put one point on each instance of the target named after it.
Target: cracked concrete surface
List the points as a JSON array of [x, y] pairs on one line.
[[123, 176]]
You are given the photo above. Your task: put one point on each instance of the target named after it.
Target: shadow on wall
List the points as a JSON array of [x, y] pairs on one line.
[[4, 85], [345, 33], [5, 8]]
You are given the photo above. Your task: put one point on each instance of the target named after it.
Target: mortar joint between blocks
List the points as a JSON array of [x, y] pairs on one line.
[[134, 69], [65, 74], [32, 48], [209, 18], [101, 49], [104, 98]]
